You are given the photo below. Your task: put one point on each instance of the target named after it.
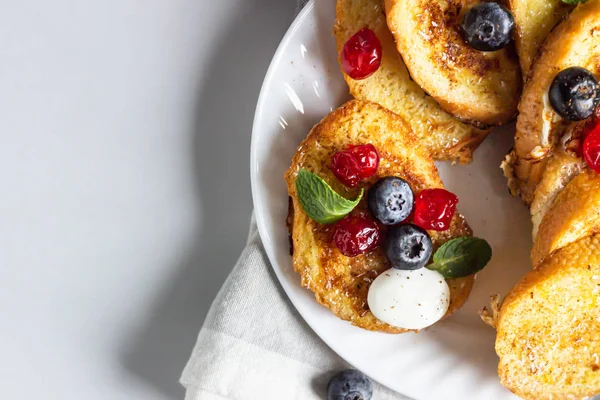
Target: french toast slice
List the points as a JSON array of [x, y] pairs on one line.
[[341, 283], [534, 19], [574, 213], [547, 327], [442, 135], [574, 42], [473, 85], [561, 168]]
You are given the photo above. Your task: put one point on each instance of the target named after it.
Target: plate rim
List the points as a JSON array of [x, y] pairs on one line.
[[260, 222], [261, 225]]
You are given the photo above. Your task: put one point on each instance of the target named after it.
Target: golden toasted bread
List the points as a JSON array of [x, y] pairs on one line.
[[473, 85], [574, 42], [560, 170], [548, 326], [443, 136], [534, 19], [574, 213], [341, 283]]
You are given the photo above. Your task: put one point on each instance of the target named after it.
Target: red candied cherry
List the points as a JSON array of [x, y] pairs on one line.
[[591, 148], [345, 168], [434, 209], [367, 157], [361, 55], [355, 235], [355, 163]]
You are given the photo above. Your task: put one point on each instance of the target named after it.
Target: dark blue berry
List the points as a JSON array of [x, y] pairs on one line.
[[349, 384], [488, 26], [408, 247], [574, 93], [391, 200]]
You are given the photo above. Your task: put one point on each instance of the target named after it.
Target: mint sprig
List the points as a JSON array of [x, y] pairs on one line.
[[319, 201], [573, 1], [461, 257]]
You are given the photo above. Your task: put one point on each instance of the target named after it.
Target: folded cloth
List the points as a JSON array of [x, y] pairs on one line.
[[255, 345]]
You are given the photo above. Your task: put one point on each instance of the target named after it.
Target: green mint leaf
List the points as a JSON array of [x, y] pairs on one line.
[[320, 201], [573, 1], [461, 257]]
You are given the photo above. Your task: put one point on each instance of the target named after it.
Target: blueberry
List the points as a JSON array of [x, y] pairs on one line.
[[408, 247], [349, 384], [574, 93], [391, 200], [488, 26]]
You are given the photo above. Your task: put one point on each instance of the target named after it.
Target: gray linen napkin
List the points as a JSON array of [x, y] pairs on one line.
[[255, 345]]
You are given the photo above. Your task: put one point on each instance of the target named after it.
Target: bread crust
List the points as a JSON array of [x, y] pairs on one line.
[[575, 213], [561, 168], [339, 282]]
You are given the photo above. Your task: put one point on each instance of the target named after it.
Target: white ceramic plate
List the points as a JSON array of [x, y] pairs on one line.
[[454, 359]]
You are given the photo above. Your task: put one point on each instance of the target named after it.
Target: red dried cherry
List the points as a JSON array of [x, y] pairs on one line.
[[355, 235], [367, 157], [355, 163], [434, 209], [345, 168], [591, 148], [361, 55]]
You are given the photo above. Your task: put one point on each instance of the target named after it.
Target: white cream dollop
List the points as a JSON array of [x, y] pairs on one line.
[[409, 299]]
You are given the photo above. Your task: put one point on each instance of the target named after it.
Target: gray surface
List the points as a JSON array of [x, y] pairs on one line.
[[125, 130]]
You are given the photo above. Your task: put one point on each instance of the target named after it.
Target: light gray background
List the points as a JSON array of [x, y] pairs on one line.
[[124, 163]]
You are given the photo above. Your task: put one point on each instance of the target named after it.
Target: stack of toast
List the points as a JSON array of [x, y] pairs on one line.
[[449, 126], [548, 325], [433, 97]]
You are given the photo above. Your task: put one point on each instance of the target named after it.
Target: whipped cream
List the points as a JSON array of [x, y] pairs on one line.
[[409, 299]]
